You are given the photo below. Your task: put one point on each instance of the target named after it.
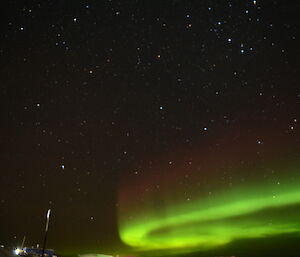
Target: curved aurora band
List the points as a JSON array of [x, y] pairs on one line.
[[252, 211]]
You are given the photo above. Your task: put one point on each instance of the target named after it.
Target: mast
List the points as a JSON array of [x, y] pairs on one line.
[[23, 242], [46, 231]]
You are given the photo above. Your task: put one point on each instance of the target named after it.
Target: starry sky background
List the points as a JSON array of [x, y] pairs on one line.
[[100, 100]]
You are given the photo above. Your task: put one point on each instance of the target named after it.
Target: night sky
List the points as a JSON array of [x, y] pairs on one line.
[[151, 128]]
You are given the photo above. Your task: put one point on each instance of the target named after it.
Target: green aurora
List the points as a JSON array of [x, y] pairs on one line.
[[256, 210]]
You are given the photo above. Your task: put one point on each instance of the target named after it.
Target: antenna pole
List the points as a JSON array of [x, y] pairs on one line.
[[46, 231], [23, 242]]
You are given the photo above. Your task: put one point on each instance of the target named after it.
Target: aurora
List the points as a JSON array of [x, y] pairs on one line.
[[254, 210]]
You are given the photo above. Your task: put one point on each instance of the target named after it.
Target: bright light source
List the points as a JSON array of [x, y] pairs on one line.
[[48, 213], [17, 251]]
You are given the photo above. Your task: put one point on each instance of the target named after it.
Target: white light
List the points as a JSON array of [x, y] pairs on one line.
[[48, 213], [17, 251]]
